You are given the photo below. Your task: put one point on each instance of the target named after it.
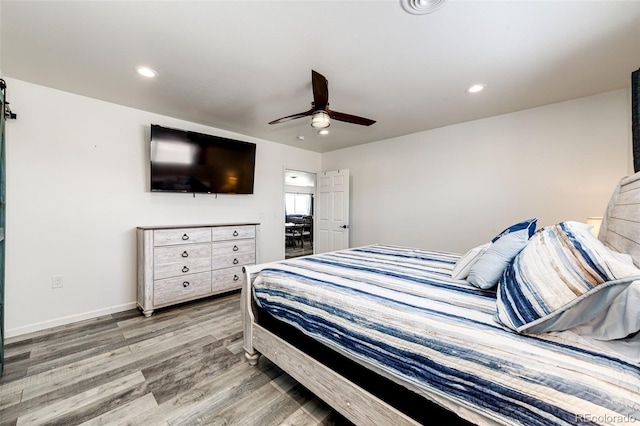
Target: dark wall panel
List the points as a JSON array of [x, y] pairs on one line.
[[635, 118]]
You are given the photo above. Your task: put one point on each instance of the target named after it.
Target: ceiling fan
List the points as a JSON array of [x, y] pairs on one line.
[[320, 113]]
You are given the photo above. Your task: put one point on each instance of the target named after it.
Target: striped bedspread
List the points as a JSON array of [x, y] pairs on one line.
[[397, 311]]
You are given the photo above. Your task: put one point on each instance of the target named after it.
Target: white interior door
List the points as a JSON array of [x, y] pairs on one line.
[[332, 214]]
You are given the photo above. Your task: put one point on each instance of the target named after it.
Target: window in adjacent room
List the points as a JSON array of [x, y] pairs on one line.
[[297, 203]]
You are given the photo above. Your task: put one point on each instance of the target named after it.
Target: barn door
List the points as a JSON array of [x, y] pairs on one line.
[[332, 214], [2, 217]]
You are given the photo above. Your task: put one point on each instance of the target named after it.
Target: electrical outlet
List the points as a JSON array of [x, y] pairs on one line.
[[56, 281]]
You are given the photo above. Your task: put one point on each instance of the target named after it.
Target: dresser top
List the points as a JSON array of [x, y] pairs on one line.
[[206, 225]]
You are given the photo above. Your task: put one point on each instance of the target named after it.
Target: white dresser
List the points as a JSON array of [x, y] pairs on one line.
[[181, 263]]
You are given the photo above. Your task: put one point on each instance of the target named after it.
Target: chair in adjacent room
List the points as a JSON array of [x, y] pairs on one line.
[[307, 230]]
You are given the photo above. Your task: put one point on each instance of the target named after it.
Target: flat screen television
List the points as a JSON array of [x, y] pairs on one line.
[[184, 161]]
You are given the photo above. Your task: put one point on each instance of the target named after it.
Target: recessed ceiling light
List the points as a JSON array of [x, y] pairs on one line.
[[476, 88], [421, 7], [146, 72], [300, 137], [323, 132]]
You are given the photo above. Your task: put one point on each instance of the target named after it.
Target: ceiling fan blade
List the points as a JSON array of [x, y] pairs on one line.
[[293, 117], [320, 90], [340, 116]]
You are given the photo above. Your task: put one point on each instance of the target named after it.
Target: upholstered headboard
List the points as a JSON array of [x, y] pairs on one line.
[[620, 228]]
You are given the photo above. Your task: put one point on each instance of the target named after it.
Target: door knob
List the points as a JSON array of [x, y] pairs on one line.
[[344, 226]]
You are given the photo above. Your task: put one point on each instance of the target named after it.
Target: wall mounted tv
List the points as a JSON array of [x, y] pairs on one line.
[[183, 161]]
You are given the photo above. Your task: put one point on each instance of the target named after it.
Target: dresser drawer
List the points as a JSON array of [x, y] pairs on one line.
[[173, 290], [222, 233], [231, 247], [226, 279], [230, 260], [177, 269], [181, 253], [169, 237], [175, 261]]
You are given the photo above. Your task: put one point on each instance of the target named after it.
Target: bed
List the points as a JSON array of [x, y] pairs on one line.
[[536, 327]]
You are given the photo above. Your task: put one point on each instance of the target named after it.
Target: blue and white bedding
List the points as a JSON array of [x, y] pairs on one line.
[[399, 312]]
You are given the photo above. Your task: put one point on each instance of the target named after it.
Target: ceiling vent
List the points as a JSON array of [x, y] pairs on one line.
[[421, 7]]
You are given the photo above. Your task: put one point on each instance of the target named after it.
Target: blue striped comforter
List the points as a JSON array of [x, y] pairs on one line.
[[397, 311]]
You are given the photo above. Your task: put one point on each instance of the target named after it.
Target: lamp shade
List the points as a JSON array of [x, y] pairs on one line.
[[320, 120]]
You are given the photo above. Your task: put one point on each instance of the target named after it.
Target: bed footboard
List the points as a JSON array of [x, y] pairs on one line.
[[249, 313]]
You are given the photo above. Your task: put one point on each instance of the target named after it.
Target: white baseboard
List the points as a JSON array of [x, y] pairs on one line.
[[18, 331]]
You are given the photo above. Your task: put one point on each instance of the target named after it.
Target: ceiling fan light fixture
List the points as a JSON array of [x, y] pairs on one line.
[[421, 7], [320, 120], [323, 132]]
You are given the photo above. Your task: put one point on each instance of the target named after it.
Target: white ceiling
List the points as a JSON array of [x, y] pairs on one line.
[[236, 65], [299, 178]]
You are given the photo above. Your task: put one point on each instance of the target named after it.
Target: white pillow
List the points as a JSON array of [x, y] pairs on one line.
[[464, 264], [486, 272]]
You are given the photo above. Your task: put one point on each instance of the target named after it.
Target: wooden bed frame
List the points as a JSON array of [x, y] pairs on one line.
[[620, 231], [355, 403]]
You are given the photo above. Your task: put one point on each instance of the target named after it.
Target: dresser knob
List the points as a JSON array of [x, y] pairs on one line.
[[236, 277], [235, 261], [235, 233], [185, 254], [185, 237], [185, 269], [185, 284], [235, 248]]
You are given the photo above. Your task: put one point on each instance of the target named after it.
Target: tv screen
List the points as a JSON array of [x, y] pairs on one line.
[[183, 161]]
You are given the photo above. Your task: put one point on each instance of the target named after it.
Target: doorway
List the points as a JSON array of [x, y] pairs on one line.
[[299, 202]]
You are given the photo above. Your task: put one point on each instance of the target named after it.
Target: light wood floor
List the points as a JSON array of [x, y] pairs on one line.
[[182, 366], [291, 252]]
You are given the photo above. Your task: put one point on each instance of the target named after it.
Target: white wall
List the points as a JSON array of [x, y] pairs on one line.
[[77, 187], [456, 187]]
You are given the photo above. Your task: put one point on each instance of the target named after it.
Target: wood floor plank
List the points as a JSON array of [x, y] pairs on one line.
[[50, 380], [266, 403], [80, 339], [313, 412], [169, 340], [182, 366], [186, 408], [150, 326], [49, 413], [10, 399], [179, 374], [72, 330], [50, 360], [223, 393], [123, 413]]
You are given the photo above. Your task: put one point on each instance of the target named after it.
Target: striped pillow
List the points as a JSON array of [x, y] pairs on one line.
[[564, 277]]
